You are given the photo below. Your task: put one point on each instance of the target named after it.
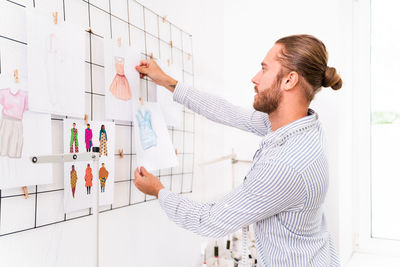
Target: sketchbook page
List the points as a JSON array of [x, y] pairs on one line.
[[79, 178], [153, 144], [171, 110], [56, 65], [106, 143], [36, 141], [122, 82]]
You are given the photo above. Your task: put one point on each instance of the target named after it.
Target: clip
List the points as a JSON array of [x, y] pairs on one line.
[[16, 76], [164, 19], [169, 62], [119, 42], [121, 153], [55, 17], [176, 151], [86, 119], [170, 43], [189, 56], [25, 190], [141, 101]]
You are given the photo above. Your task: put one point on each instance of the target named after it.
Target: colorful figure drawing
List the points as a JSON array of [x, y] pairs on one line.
[[88, 138], [74, 179], [74, 139], [148, 137], [11, 131], [103, 175], [88, 179], [120, 85], [103, 141]]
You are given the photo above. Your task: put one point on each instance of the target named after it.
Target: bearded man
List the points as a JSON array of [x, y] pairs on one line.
[[283, 193]]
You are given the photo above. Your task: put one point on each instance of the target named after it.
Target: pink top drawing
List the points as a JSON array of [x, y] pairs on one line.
[[14, 105]]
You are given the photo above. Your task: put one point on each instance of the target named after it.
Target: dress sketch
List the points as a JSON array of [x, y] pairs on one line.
[[103, 175], [74, 140], [120, 86], [103, 141], [74, 179], [11, 129]]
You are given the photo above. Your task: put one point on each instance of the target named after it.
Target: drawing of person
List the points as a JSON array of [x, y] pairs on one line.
[[88, 179], [103, 175], [74, 179], [74, 139], [103, 141], [88, 138]]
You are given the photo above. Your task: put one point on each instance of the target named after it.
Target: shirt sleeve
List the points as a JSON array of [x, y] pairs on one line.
[[269, 189], [221, 111]]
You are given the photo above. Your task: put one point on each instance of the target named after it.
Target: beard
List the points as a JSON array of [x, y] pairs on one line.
[[268, 100]]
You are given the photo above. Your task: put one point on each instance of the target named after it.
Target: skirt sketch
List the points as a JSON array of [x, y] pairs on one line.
[[11, 137], [120, 85]]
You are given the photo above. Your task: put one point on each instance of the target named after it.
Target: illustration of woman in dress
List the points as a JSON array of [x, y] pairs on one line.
[[74, 179], [148, 138], [74, 139], [103, 141], [120, 85], [88, 179], [11, 130], [103, 175], [88, 138]]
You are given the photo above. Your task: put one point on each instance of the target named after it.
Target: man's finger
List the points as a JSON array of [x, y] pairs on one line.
[[144, 171]]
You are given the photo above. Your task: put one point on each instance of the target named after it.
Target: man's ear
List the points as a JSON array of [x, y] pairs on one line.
[[290, 80]]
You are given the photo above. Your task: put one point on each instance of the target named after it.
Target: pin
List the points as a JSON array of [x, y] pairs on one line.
[[121, 153], [16, 76], [25, 190], [55, 17], [86, 119]]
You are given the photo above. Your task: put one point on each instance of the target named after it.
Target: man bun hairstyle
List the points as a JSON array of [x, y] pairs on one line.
[[307, 55]]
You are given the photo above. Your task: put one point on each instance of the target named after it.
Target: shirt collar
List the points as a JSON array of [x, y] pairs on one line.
[[280, 135]]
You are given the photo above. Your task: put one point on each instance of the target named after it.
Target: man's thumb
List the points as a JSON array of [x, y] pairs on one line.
[[142, 69], [144, 171]]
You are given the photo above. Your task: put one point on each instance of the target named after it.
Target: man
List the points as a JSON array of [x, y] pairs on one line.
[[284, 190]]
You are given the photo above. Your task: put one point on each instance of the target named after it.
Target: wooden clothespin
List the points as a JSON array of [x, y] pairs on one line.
[[25, 190], [121, 153], [189, 56], [55, 17], [16, 76], [90, 30], [151, 55], [176, 151], [141, 101], [86, 119], [119, 42], [164, 19], [169, 62], [170, 43]]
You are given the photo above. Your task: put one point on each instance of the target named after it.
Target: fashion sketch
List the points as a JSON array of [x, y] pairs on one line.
[[74, 179], [74, 139], [11, 130], [88, 179], [88, 138], [120, 86], [103, 175], [148, 138], [103, 141]]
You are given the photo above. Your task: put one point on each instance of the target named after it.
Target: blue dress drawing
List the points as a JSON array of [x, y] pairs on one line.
[[148, 137]]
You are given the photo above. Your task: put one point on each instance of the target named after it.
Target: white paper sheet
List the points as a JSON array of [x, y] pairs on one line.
[[115, 107], [37, 141], [172, 111], [82, 199], [56, 65], [153, 144]]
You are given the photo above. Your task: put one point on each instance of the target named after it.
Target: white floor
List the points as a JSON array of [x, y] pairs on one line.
[[370, 260]]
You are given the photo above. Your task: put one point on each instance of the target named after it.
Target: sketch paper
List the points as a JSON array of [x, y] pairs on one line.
[[108, 159], [56, 65], [79, 187], [76, 195], [153, 143], [172, 111], [36, 141], [122, 82]]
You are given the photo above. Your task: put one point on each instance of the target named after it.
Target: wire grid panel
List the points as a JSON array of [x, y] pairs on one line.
[[153, 36]]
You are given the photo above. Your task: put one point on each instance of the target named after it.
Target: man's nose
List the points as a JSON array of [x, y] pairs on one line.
[[255, 79]]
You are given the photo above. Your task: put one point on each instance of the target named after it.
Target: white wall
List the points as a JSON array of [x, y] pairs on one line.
[[251, 28], [141, 235]]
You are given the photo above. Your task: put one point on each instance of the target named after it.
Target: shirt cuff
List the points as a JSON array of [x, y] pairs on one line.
[[163, 195], [180, 93]]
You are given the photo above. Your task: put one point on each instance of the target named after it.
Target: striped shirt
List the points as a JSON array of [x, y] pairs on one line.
[[282, 194]]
